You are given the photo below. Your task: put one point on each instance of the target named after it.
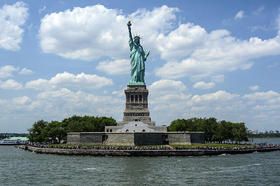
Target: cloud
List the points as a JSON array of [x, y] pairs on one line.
[[65, 79], [12, 17], [273, 65], [259, 110], [258, 10], [118, 93], [217, 53], [220, 96], [218, 78], [254, 88], [7, 71], [96, 31], [56, 104], [188, 50], [21, 100], [10, 84], [181, 42], [239, 15], [263, 28], [269, 96], [42, 9], [165, 85], [23, 104], [25, 71], [203, 85], [64, 103], [168, 97], [264, 108], [116, 67]]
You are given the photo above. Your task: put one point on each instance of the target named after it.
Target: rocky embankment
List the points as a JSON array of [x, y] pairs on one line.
[[149, 151]]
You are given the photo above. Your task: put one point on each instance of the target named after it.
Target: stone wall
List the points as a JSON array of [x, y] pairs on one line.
[[73, 138], [150, 138], [136, 138], [179, 138], [92, 138], [197, 137], [120, 139]]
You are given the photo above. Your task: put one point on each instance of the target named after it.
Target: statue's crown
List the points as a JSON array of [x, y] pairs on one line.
[[137, 36]]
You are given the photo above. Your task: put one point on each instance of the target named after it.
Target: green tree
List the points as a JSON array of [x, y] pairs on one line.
[[209, 128], [87, 123], [54, 132], [214, 131], [2, 136], [36, 132], [239, 132]]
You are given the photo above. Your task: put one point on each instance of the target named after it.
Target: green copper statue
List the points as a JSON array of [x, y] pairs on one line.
[[137, 59]]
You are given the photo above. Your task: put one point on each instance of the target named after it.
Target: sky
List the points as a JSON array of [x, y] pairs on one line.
[[219, 59]]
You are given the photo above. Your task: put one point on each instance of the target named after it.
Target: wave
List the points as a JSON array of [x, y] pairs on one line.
[[89, 169]]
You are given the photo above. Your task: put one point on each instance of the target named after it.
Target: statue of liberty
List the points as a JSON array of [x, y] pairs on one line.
[[137, 59]]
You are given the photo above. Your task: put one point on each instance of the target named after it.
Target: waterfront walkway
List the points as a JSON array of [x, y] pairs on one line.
[[146, 150]]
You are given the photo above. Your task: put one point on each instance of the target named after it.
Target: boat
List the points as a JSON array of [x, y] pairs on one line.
[[11, 142]]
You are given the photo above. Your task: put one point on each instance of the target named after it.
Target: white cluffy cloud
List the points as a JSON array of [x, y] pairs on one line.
[[25, 71], [7, 71], [239, 15], [95, 31], [254, 88], [212, 53], [119, 66], [61, 103], [167, 99], [204, 85], [165, 85], [10, 84], [21, 100], [12, 17], [80, 81], [269, 96], [190, 50], [220, 96]]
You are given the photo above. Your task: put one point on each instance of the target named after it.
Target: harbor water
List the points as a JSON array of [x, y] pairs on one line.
[[19, 167]]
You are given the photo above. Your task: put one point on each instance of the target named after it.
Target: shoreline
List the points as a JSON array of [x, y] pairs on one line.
[[168, 152]]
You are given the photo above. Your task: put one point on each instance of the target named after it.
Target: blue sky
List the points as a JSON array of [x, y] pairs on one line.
[[208, 59]]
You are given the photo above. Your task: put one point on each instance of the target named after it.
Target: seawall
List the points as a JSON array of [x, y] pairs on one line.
[[170, 152]]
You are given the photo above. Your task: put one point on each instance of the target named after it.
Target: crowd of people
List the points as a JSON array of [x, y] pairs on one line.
[[160, 147], [238, 147]]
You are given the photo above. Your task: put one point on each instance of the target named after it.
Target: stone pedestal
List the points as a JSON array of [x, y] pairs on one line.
[[136, 116], [136, 107]]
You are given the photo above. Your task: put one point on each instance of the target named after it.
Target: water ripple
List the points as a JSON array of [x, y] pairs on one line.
[[19, 167]]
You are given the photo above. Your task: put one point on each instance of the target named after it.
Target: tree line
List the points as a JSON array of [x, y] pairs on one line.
[[264, 135], [215, 131], [55, 131]]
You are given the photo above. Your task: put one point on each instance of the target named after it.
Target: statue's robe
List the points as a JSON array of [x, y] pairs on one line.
[[137, 62]]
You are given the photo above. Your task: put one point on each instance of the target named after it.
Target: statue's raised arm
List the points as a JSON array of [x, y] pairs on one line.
[[129, 30]]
